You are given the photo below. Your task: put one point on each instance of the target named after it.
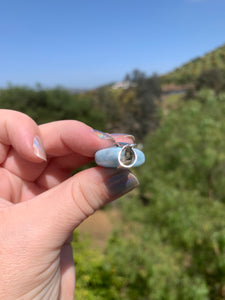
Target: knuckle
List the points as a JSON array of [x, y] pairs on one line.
[[82, 200]]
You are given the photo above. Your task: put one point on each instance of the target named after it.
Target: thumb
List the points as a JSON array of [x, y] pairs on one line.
[[54, 214]]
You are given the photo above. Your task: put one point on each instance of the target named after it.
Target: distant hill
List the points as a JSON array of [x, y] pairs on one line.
[[191, 70]]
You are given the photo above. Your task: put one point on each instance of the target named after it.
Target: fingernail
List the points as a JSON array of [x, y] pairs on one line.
[[39, 150], [102, 135], [121, 183], [123, 135]]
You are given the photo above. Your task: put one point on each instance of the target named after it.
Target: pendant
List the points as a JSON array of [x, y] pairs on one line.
[[122, 155]]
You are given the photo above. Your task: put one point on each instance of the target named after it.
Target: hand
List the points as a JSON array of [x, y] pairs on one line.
[[41, 205]]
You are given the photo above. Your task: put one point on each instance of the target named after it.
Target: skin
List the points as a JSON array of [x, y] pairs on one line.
[[41, 204]]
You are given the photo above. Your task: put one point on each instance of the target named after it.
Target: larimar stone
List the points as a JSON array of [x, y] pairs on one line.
[[109, 157]]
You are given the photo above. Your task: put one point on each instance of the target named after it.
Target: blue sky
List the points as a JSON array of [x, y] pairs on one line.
[[86, 43]]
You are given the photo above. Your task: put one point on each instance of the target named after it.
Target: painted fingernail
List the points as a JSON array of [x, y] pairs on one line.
[[39, 150], [121, 183], [123, 135], [102, 135]]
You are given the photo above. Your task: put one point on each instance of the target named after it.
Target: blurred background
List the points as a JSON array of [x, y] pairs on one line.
[[154, 69]]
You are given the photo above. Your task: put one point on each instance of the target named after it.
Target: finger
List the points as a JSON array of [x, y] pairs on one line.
[[67, 267], [4, 149], [72, 144], [10, 186], [4, 203], [45, 174], [22, 133], [23, 168], [54, 214], [123, 137], [14, 190], [60, 168], [69, 141], [63, 137]]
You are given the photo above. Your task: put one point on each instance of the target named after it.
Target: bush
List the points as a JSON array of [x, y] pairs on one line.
[[213, 79], [51, 105], [189, 148], [173, 247]]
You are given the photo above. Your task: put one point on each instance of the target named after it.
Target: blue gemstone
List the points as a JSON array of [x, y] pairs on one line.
[[109, 157]]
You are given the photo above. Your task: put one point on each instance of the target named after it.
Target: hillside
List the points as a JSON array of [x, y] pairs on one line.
[[191, 70]]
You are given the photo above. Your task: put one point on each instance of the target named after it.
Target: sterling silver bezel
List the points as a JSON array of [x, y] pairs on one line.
[[121, 164]]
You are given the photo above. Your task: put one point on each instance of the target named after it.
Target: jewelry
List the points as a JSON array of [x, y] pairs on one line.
[[127, 157], [122, 155]]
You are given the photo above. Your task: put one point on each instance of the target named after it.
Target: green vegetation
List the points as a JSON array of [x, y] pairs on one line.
[[213, 78], [131, 110], [170, 243], [51, 105], [191, 70]]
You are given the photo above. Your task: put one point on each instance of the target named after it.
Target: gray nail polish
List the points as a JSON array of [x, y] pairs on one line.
[[121, 183]]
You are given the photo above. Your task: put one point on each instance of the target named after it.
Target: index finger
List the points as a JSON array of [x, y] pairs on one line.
[[22, 133], [61, 138]]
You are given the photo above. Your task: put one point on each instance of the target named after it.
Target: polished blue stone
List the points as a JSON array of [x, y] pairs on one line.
[[108, 157]]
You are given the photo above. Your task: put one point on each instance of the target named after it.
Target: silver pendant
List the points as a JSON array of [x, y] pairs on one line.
[[122, 155]]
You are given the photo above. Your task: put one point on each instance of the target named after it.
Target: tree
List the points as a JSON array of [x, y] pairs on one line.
[[136, 76], [213, 79], [140, 112], [53, 104]]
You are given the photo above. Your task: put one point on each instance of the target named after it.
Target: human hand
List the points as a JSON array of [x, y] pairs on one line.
[[41, 205]]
